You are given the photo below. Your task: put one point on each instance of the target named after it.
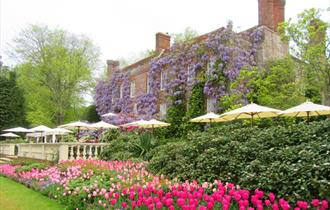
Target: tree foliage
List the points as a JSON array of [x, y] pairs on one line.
[[55, 70], [311, 44], [188, 35], [12, 108], [91, 114], [275, 85]]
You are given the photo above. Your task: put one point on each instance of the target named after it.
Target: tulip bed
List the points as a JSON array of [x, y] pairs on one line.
[[96, 184]]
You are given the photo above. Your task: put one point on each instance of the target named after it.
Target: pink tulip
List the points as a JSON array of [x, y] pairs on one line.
[[315, 202], [124, 205], [275, 206], [180, 201], [302, 204], [271, 197], [325, 204], [113, 201], [159, 205]]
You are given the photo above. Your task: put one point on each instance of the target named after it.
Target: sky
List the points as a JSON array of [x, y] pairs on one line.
[[124, 28]]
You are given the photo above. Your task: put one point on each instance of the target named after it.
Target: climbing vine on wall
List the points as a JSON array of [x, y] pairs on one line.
[[110, 98], [216, 60], [196, 102]]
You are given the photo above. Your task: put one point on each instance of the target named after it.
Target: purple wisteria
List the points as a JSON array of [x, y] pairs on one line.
[[114, 96], [216, 59]]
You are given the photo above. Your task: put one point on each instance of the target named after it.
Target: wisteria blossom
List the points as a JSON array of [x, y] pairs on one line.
[[220, 55]]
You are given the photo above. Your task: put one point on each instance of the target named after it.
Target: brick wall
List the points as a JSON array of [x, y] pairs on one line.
[[272, 47], [271, 13]]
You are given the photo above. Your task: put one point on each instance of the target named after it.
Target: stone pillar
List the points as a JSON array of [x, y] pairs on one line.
[[63, 152]]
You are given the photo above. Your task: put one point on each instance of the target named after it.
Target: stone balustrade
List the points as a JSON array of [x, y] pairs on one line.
[[55, 151], [73, 151], [7, 149]]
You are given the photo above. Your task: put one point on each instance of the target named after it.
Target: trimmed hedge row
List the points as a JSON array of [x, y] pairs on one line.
[[292, 160]]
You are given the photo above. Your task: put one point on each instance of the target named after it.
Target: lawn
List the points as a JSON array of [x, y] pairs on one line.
[[15, 196]]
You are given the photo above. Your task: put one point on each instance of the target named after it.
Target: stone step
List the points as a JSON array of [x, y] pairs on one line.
[[12, 156], [5, 159]]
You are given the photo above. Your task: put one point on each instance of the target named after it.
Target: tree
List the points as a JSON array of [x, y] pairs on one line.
[[188, 35], [276, 85], [135, 57], [55, 71], [12, 109], [91, 114], [310, 44]]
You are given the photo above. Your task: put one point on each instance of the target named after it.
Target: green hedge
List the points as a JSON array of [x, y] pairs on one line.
[[131, 145], [292, 160]]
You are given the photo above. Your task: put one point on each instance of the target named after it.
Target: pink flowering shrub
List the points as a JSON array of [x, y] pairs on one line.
[[96, 184]]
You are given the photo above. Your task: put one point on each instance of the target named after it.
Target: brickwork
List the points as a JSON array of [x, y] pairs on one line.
[[271, 12], [163, 42], [272, 47]]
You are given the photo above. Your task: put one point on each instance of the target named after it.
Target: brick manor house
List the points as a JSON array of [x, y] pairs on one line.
[[271, 13]]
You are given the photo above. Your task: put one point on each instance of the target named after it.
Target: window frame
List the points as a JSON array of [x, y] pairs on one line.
[[121, 90], [162, 114], [132, 93], [163, 78]]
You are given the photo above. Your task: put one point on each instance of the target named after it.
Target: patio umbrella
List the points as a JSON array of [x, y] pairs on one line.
[[138, 123], [102, 125], [250, 111], [147, 124], [208, 118], [17, 130], [40, 129], [10, 135], [306, 109], [109, 114], [77, 125], [58, 131], [153, 123]]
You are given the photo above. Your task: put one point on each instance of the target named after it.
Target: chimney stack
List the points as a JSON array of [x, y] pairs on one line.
[[112, 66], [271, 13], [163, 42]]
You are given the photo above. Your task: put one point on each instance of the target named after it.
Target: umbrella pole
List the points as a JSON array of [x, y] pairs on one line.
[[78, 133], [307, 117], [252, 120], [101, 134]]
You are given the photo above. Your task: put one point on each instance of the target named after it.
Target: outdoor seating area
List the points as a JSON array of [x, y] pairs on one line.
[[45, 136], [255, 111]]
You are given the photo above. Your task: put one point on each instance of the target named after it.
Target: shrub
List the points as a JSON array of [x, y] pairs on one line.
[[22, 161], [132, 146], [286, 160], [110, 135], [31, 166], [119, 148]]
